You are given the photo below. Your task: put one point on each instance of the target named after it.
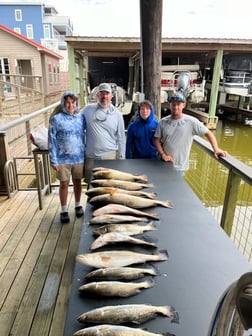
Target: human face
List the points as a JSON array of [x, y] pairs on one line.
[[104, 98], [177, 109], [144, 111], [70, 105]]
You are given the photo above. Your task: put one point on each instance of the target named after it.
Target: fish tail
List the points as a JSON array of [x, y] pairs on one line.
[[149, 185], [151, 225], [148, 283], [143, 177], [163, 255], [166, 204], [175, 315]]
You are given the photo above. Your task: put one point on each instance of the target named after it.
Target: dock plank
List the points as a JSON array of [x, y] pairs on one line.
[[36, 264]]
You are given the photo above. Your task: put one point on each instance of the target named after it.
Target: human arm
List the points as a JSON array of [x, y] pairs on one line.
[[52, 144], [217, 151], [164, 156], [121, 138]]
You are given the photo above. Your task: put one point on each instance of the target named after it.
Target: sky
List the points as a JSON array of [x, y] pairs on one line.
[[181, 18]]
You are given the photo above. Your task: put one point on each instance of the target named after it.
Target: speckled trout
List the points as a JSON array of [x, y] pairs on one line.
[[111, 218], [114, 330], [131, 229], [135, 202], [108, 173], [134, 313], [128, 185], [120, 273], [118, 237], [118, 258], [115, 288], [105, 190], [113, 208]]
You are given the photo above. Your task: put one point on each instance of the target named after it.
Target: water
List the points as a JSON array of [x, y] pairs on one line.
[[236, 139]]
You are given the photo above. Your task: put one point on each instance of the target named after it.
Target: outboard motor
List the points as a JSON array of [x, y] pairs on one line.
[[183, 83]]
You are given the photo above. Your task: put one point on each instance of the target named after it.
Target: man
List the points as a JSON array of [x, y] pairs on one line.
[[174, 135], [105, 132], [66, 151]]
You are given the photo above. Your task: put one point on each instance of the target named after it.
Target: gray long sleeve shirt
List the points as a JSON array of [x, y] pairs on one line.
[[105, 132]]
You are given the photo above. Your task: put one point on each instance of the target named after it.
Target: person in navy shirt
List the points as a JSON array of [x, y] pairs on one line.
[[140, 134]]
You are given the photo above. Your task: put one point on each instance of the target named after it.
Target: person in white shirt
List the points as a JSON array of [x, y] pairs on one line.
[[105, 131], [174, 135]]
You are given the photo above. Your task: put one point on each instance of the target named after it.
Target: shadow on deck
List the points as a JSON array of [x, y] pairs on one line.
[[37, 257]]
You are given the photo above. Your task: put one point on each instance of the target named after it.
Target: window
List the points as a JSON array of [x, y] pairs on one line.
[[17, 30], [50, 73], [18, 15], [47, 33], [29, 31]]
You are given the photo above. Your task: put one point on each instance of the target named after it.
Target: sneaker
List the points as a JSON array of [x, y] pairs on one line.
[[64, 218], [79, 211]]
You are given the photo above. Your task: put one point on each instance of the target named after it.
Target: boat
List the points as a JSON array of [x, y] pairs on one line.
[[184, 78], [237, 82]]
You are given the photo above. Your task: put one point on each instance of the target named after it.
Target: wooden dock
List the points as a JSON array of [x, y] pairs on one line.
[[37, 257]]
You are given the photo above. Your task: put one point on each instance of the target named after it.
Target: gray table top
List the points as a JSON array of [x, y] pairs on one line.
[[202, 262]]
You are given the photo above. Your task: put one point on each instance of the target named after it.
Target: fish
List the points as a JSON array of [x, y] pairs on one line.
[[108, 173], [115, 288], [135, 202], [129, 313], [117, 237], [115, 330], [111, 218], [120, 273], [122, 209], [106, 259], [104, 190], [130, 229], [127, 185]]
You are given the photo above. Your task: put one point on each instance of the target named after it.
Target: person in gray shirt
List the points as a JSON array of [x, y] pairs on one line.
[[105, 131], [174, 135]]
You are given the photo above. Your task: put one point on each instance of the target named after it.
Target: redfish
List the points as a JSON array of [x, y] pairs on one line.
[[117, 237], [104, 190], [113, 208], [127, 185], [108, 173], [135, 202], [118, 258]]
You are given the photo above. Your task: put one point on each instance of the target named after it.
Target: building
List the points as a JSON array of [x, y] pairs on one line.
[[40, 23]]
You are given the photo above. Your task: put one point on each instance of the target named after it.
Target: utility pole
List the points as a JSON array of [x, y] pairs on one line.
[[151, 51]]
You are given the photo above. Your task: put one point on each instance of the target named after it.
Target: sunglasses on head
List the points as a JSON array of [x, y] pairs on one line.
[[179, 99]]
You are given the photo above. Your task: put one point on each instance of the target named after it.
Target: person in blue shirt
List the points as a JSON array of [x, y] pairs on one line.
[[66, 151], [140, 134]]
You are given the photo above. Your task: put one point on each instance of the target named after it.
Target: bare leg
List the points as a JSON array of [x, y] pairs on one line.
[[77, 189], [63, 191]]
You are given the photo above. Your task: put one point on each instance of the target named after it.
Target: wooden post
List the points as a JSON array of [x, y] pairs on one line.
[[230, 202], [151, 50], [215, 88], [3, 160]]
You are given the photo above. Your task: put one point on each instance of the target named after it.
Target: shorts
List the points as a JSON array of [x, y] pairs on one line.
[[68, 170]]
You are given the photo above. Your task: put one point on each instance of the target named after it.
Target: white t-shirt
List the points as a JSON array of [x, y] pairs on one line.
[[177, 136]]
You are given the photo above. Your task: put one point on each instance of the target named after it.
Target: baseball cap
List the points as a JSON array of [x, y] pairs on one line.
[[176, 97], [104, 87]]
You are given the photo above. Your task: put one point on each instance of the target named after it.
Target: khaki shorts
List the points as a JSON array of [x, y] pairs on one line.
[[89, 164], [66, 170]]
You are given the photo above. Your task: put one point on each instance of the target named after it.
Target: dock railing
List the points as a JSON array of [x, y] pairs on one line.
[[224, 186]]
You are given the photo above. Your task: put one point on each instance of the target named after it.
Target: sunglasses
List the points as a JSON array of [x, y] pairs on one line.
[[178, 99]]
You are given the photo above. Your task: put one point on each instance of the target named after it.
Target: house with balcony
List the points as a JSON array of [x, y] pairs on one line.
[[39, 22]]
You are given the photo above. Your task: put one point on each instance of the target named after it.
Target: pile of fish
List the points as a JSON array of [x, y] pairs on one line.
[[118, 198]]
